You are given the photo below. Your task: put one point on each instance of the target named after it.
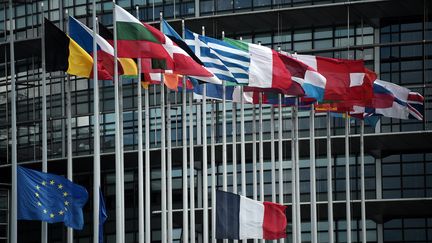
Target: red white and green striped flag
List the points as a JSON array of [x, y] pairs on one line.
[[267, 72], [134, 40]]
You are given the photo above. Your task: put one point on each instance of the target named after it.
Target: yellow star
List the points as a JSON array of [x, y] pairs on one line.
[[36, 194], [52, 215], [60, 186], [45, 211], [65, 194], [44, 183], [39, 204], [37, 187], [52, 182], [66, 203], [61, 212]]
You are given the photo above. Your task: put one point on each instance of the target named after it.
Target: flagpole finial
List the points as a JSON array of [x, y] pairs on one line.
[[42, 4]]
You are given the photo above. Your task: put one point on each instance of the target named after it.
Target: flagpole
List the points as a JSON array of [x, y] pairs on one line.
[[362, 183], [68, 89], [242, 146], [347, 179], [118, 175], [204, 167], [191, 168], [293, 177], [314, 224], [44, 117], [280, 154], [163, 159], [234, 145], [140, 153], [14, 211], [147, 163], [185, 156], [213, 171], [261, 148], [299, 236], [254, 158], [329, 182], [169, 166], [272, 152], [96, 141], [224, 130]]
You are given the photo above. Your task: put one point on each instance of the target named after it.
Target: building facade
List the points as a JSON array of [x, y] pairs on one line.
[[393, 37]]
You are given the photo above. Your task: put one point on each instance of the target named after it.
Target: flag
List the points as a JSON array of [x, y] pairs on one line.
[[312, 82], [393, 101], [102, 216], [224, 60], [49, 198], [83, 36], [172, 80], [179, 62], [238, 218], [347, 81], [214, 91], [134, 40], [64, 54], [128, 65], [267, 72]]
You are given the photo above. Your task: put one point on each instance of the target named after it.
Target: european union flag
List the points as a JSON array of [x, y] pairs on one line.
[[50, 198]]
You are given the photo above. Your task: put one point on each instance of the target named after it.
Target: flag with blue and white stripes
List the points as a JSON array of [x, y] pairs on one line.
[[226, 61]]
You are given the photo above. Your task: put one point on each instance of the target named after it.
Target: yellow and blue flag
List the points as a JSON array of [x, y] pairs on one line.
[[50, 198]]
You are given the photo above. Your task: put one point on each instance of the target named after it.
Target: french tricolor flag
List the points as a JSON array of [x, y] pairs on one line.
[[239, 218]]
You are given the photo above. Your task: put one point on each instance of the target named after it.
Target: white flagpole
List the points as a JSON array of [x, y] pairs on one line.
[[14, 221], [293, 177], [185, 156], [163, 159], [234, 146], [362, 183], [204, 166], [169, 167], [118, 167], [329, 182], [314, 224], [140, 153], [254, 158], [272, 152], [68, 89], [147, 230], [297, 177], [261, 148], [224, 140], [347, 179], [242, 144], [280, 154], [96, 141], [213, 171], [44, 117], [191, 169]]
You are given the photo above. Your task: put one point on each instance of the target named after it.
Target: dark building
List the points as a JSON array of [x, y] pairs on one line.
[[394, 37]]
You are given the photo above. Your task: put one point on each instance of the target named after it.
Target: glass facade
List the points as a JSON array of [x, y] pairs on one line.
[[399, 49]]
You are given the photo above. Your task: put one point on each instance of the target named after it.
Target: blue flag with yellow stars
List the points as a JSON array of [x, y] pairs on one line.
[[50, 198]]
